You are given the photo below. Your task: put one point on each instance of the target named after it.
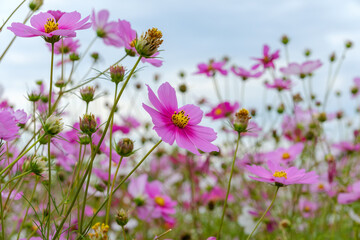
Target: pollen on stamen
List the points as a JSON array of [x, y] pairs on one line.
[[280, 174], [51, 25], [180, 119]]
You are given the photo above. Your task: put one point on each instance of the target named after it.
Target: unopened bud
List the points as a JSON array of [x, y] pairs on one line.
[[322, 117], [281, 108], [53, 125], [88, 124], [122, 217], [285, 40], [285, 223], [95, 56], [35, 4], [38, 165], [84, 139], [348, 44], [117, 73], [332, 57], [33, 97], [60, 83], [87, 94], [74, 57], [307, 52], [124, 147], [182, 88]]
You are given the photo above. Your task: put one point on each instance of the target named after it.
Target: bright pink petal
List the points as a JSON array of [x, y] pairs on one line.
[[184, 142], [194, 112], [38, 21], [21, 30], [167, 96]]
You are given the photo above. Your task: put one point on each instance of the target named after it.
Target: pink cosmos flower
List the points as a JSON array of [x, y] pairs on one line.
[[223, 110], [66, 45], [267, 61], [51, 24], [279, 84], [180, 124], [128, 35], [8, 126], [347, 146], [211, 68], [355, 89], [282, 155], [303, 69], [282, 176], [352, 195], [245, 74], [216, 194], [106, 30], [307, 208]]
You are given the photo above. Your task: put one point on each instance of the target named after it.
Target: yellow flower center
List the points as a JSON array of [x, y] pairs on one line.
[[51, 25], [280, 174], [160, 201], [285, 155], [307, 209], [218, 111], [179, 119], [321, 186]]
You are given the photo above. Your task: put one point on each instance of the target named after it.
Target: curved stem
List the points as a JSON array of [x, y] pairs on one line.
[[58, 230], [260, 220], [20, 156], [111, 191], [228, 187], [2, 26], [119, 185]]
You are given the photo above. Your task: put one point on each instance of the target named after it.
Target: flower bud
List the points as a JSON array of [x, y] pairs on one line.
[[307, 52], [43, 139], [130, 52], [332, 57], [44, 98], [38, 165], [122, 217], [242, 118], [53, 125], [87, 94], [124, 147], [84, 139], [348, 44], [281, 108], [285, 40], [182, 88], [95, 56], [354, 90], [35, 4], [88, 124], [60, 83], [322, 117], [74, 57], [148, 44], [33, 97], [285, 223], [117, 73]]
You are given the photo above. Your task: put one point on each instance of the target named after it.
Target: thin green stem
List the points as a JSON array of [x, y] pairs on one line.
[[216, 89], [14, 178], [124, 233], [110, 161], [111, 191], [27, 209], [20, 156], [51, 76], [260, 220], [228, 187], [119, 185], [2, 26], [58, 230], [49, 190]]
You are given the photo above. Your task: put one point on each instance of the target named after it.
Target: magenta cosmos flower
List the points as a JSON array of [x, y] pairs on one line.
[[267, 61], [245, 74], [279, 84], [65, 46], [302, 70], [283, 155], [51, 25], [180, 124], [223, 110], [282, 176], [108, 31], [211, 68], [352, 195]]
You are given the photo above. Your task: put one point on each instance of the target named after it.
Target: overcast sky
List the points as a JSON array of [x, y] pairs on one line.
[[195, 31]]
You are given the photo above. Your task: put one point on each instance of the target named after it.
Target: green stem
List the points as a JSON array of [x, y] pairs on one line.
[[58, 230], [228, 187], [51, 76], [49, 191], [260, 220], [111, 192], [86, 190], [110, 161], [119, 185], [2, 26], [124, 234], [20, 156], [27, 209], [2, 219], [14, 178], [216, 89]]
